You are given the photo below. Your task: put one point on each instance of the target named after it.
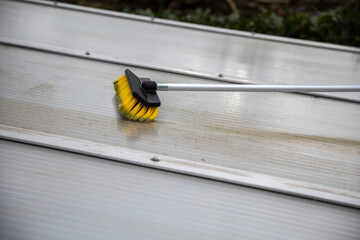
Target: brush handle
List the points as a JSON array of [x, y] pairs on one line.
[[256, 88]]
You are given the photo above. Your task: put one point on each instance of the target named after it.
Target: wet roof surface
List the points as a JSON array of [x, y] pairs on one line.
[[49, 85]]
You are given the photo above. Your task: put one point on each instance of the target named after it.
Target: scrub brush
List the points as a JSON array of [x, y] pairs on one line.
[[137, 98], [133, 101]]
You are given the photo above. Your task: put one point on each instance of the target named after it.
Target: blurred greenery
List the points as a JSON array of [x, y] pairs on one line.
[[342, 27]]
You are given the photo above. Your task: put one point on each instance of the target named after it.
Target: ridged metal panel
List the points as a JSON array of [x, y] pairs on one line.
[[50, 194], [191, 51], [296, 137], [182, 166]]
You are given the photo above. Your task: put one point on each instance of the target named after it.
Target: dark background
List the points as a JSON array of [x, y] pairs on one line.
[[250, 8], [333, 21]]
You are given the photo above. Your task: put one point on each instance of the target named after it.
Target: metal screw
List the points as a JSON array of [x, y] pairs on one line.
[[87, 53], [155, 158], [220, 75]]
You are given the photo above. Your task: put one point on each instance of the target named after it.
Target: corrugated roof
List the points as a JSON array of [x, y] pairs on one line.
[[55, 95], [181, 48], [50, 194]]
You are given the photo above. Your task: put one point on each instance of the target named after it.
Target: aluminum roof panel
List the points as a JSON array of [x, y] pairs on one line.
[[296, 137], [50, 194], [190, 51]]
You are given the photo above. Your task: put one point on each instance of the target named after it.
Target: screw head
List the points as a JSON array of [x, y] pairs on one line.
[[220, 75], [155, 158]]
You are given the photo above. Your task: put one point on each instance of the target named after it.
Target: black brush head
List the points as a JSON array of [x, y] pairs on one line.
[[143, 89]]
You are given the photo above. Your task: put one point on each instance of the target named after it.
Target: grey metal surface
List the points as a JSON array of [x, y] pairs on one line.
[[178, 165], [296, 137], [190, 51], [252, 35], [50, 194]]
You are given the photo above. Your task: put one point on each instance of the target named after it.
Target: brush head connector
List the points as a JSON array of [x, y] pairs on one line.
[[137, 98]]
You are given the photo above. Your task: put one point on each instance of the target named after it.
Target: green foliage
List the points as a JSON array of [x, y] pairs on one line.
[[333, 27]]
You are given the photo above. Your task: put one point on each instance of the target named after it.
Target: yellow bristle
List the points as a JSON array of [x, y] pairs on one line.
[[141, 113], [134, 111], [147, 114], [129, 103], [131, 107], [154, 114]]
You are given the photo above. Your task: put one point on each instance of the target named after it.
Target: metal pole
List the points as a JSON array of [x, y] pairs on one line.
[[256, 88]]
